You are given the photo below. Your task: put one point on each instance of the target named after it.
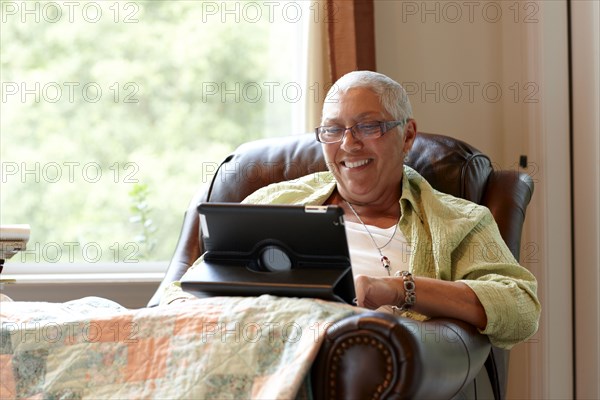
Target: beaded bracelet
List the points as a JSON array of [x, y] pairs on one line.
[[410, 298]]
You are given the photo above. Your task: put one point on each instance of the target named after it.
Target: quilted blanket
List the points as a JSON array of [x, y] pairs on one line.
[[221, 347]]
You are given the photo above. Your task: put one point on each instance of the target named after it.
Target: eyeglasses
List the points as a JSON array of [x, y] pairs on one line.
[[360, 131]]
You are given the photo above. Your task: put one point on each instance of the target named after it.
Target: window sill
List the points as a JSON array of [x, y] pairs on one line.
[[129, 284], [34, 273]]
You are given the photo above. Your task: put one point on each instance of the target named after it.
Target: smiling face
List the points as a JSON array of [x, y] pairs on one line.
[[369, 171]]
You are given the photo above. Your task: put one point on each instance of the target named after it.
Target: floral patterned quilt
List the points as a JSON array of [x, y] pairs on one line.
[[221, 347]]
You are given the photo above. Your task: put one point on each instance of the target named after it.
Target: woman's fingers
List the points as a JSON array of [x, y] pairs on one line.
[[373, 292]]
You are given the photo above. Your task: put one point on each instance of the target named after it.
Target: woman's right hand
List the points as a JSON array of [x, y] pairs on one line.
[[374, 292]]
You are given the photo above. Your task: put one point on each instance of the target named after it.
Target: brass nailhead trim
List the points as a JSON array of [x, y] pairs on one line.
[[368, 341]]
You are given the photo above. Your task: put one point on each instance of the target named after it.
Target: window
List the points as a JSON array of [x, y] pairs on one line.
[[115, 112]]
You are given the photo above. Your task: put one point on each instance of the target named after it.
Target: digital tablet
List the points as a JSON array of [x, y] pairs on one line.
[[294, 251]]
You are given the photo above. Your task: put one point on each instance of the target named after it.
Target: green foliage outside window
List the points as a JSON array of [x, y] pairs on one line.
[[98, 116]]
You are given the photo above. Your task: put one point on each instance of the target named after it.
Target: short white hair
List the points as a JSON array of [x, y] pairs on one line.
[[392, 95]]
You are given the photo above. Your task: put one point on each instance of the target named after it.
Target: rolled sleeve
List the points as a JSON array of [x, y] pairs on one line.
[[511, 308], [507, 291]]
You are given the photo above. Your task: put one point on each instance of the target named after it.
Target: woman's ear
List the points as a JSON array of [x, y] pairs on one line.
[[410, 133]]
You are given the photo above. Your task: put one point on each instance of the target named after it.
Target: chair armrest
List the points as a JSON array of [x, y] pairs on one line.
[[376, 355], [188, 250]]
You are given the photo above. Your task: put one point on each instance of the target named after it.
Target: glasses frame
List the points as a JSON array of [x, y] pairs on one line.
[[384, 126]]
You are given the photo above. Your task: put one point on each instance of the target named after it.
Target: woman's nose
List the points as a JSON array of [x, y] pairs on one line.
[[349, 141]]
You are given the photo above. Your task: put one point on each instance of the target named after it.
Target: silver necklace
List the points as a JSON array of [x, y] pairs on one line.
[[384, 260]]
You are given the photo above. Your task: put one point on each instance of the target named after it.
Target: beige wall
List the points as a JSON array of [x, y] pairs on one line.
[[466, 65], [514, 55]]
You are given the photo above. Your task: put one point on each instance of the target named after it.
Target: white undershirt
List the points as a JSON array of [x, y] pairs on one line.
[[365, 257]]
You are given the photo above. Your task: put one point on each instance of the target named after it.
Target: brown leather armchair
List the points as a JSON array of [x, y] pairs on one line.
[[375, 355]]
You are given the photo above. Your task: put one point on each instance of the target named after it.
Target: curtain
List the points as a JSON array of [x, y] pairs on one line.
[[341, 40], [351, 36], [318, 71]]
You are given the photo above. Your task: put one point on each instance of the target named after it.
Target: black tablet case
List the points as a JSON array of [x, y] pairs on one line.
[[235, 263]]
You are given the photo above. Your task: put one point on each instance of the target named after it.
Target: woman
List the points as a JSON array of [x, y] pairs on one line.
[[414, 250]]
